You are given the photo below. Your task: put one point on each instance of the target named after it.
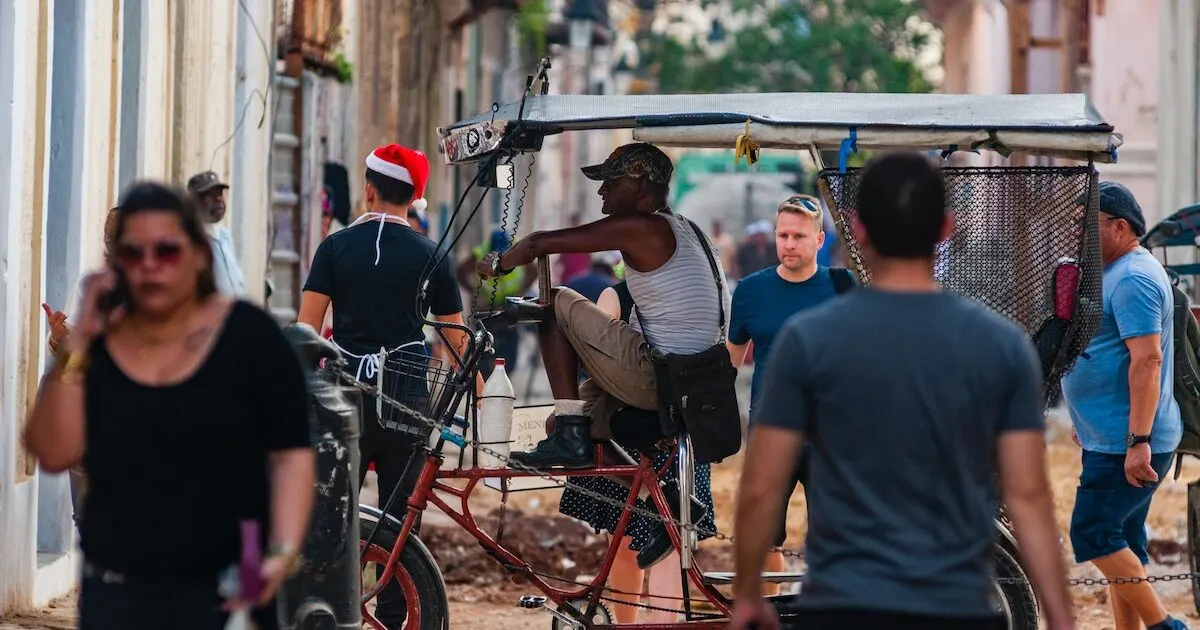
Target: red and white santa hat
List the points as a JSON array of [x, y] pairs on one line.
[[402, 163]]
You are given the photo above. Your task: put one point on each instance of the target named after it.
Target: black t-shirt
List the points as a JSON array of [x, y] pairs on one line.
[[172, 470], [375, 305]]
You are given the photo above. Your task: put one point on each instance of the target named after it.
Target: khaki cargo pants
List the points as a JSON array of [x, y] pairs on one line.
[[615, 356]]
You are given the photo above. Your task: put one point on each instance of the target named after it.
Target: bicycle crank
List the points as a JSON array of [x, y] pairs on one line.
[[563, 617]]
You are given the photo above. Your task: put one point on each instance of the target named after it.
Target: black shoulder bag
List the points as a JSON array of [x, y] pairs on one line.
[[698, 389]]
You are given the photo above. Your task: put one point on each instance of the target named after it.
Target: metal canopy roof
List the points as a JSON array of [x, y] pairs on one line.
[[1065, 125]]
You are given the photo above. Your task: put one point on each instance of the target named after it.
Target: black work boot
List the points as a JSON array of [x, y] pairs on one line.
[[525, 311], [569, 445], [659, 544]]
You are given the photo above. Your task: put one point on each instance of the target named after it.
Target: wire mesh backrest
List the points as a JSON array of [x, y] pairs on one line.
[[1013, 226]]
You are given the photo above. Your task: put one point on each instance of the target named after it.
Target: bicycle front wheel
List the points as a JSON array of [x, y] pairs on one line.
[[415, 597]]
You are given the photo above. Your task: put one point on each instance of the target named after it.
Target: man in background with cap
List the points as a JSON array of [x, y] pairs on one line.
[[1124, 414], [209, 192]]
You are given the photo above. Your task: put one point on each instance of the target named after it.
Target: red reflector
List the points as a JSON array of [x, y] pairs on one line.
[[1066, 288]]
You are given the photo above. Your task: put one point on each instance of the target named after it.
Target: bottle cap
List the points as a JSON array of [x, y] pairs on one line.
[[499, 362]]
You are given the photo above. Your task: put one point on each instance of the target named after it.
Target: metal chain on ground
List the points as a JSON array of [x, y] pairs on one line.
[[434, 425], [1102, 581]]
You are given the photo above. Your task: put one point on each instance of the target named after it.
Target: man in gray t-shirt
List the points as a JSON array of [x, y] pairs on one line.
[[910, 397]]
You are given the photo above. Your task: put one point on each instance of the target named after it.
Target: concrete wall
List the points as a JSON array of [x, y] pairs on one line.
[[1178, 106], [1125, 90], [96, 94], [254, 100], [22, 50]]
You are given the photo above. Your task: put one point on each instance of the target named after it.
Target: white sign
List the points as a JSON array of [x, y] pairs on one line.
[[528, 428]]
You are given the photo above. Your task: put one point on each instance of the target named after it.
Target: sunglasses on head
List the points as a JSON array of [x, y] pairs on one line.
[[163, 252], [803, 203]]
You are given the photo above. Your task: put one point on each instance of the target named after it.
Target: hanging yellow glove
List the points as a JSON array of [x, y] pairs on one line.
[[745, 147]]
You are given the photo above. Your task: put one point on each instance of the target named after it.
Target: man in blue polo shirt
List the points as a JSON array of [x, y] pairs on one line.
[[765, 299], [1124, 413]]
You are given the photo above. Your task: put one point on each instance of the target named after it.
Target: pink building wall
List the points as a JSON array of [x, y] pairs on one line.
[[1122, 80], [1124, 87]]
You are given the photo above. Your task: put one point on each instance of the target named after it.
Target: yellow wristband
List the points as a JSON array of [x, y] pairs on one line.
[[73, 368]]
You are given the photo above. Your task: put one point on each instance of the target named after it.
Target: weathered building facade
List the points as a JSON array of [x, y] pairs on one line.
[[99, 94]]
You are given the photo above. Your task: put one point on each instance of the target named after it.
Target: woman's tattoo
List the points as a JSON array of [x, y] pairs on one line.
[[195, 340]]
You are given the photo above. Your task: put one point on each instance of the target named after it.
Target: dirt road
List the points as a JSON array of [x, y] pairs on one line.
[[483, 596], [492, 601]]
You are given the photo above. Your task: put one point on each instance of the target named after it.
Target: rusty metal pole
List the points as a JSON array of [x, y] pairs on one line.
[[1019, 37]]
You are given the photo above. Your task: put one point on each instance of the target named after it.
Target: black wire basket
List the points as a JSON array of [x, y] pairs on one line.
[[414, 383]]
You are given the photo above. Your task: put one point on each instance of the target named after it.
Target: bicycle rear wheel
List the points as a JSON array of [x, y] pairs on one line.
[[416, 573], [1015, 595]]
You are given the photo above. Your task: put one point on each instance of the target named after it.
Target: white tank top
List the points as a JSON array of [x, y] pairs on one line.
[[678, 301]]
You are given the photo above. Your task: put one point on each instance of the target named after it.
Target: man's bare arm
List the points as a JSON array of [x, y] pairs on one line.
[[1030, 502], [1145, 372], [635, 235], [737, 352], [458, 340], [765, 477], [312, 309]]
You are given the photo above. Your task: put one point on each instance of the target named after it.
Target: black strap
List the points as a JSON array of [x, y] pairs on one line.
[[842, 279], [712, 262], [625, 299]]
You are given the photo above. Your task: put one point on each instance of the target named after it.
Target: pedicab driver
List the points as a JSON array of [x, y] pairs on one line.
[[369, 273], [906, 418], [669, 278], [668, 274]]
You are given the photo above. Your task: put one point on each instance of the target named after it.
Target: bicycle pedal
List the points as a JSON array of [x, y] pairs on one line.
[[531, 601]]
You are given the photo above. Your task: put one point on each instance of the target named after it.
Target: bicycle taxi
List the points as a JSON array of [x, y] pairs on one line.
[[1026, 244]]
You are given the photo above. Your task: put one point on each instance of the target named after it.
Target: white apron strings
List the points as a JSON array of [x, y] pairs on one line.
[[382, 218], [371, 366]]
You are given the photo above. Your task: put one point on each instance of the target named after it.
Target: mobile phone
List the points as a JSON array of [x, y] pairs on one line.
[[118, 296]]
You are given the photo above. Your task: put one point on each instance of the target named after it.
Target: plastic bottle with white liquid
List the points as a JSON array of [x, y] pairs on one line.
[[496, 416]]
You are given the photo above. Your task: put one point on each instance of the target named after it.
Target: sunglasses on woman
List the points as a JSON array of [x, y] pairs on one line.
[[162, 252]]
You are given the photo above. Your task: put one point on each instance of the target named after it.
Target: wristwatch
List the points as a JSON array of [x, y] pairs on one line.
[[1131, 440], [497, 270]]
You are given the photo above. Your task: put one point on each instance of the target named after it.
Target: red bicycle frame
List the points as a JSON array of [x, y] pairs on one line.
[[430, 482]]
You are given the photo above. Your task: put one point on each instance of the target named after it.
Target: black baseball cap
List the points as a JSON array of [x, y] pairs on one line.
[[201, 183], [1117, 201]]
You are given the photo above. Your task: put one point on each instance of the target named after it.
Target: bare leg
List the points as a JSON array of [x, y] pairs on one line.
[[1125, 617], [627, 578], [1139, 596], [560, 359], [775, 564], [665, 581]]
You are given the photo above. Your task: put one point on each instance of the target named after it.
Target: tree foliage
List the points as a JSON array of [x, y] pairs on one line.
[[798, 46]]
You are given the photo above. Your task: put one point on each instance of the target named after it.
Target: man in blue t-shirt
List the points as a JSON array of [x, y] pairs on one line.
[[1124, 413], [765, 299]]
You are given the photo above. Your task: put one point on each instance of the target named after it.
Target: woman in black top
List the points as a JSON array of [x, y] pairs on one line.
[[190, 414]]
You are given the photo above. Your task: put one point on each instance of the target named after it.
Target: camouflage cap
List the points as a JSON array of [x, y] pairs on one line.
[[638, 159], [204, 182]]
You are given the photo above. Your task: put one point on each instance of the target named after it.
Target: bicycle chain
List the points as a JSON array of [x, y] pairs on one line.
[[655, 516], [436, 426]]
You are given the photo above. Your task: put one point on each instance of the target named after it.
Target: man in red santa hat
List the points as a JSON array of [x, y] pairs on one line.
[[370, 273]]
